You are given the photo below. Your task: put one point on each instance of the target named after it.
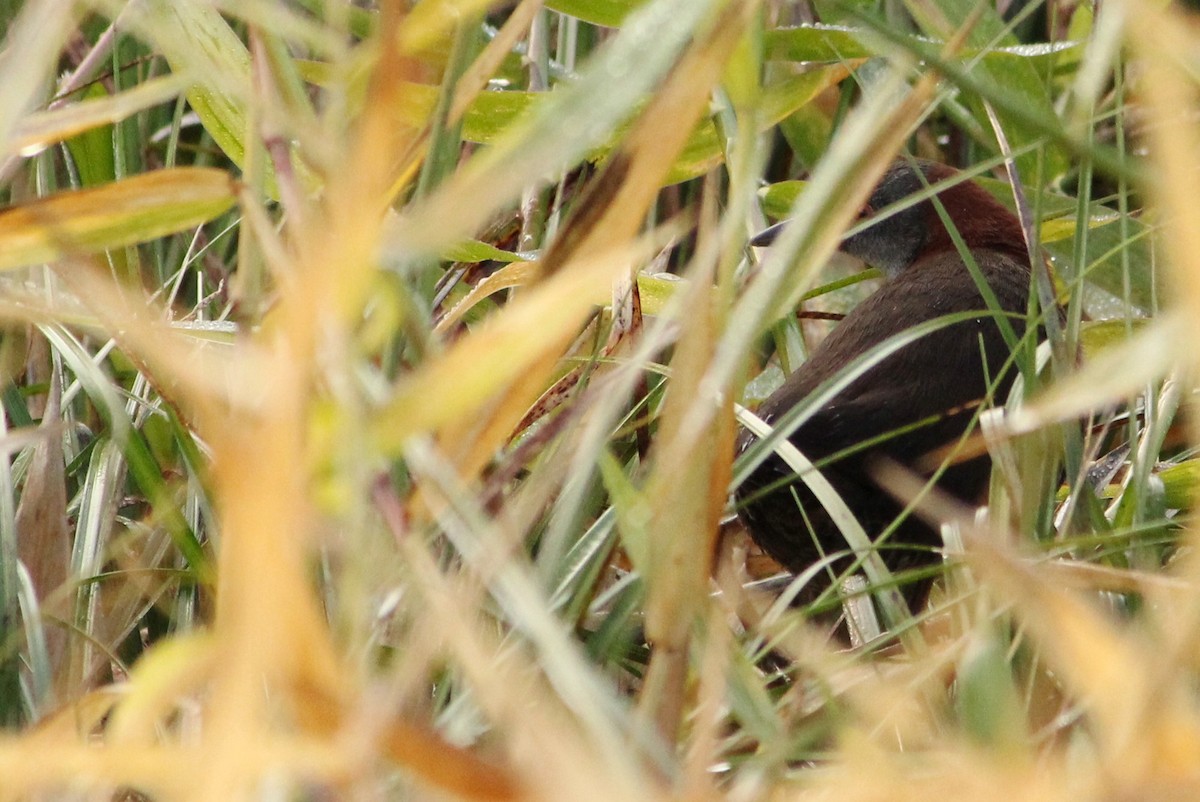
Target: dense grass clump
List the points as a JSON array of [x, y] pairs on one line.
[[371, 374]]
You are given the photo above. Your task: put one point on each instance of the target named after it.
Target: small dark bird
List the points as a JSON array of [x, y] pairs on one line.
[[942, 377]]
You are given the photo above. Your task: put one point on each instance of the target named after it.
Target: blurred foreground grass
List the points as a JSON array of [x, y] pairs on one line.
[[369, 377]]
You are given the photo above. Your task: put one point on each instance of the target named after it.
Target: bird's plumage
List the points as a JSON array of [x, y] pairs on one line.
[[943, 376]]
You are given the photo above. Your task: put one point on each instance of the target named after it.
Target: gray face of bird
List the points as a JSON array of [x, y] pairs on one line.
[[891, 243]]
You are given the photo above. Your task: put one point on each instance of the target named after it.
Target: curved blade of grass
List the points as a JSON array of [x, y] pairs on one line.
[[994, 72], [513, 275], [476, 536], [773, 438], [148, 475], [704, 149], [126, 212], [47, 127], [1115, 374], [573, 121], [144, 469], [471, 371], [683, 494], [612, 211], [1024, 104], [808, 43], [197, 42]]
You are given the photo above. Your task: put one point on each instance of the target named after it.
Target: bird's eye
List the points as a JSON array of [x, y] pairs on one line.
[[866, 211]]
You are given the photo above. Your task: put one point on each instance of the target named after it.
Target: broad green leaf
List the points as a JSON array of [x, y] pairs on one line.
[[598, 12], [656, 291], [197, 41], [824, 43], [1004, 75], [1013, 77], [1099, 335], [487, 118], [571, 123], [1111, 248], [114, 215], [946, 18], [92, 150], [1049, 204], [1060, 228], [491, 114], [472, 250], [1180, 483], [703, 151], [777, 199], [989, 705]]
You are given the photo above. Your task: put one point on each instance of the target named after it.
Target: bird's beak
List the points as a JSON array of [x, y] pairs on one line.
[[765, 237], [768, 235]]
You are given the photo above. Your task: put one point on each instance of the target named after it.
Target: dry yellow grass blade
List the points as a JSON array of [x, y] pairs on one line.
[[1116, 373], [572, 121], [125, 212], [503, 349], [338, 256], [1105, 668], [34, 40], [205, 381], [512, 275], [37, 131], [422, 751], [269, 628], [76, 721], [161, 772], [475, 79], [616, 205], [1141, 712], [555, 755], [687, 493], [432, 21], [1162, 34], [692, 470], [611, 212], [161, 679]]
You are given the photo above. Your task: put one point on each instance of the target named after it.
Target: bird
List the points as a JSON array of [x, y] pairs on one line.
[[928, 390]]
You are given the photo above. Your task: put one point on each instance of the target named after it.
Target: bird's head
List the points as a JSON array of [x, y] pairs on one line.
[[902, 238]]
